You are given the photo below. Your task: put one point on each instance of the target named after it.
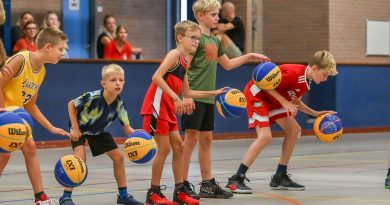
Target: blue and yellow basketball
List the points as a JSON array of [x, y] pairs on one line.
[[13, 132], [267, 76], [26, 117], [70, 171], [328, 127], [231, 104], [140, 147]]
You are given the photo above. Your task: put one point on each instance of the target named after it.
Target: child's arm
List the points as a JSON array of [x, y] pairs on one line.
[[75, 132], [229, 64], [128, 129], [169, 61], [290, 107], [306, 109], [33, 109], [187, 93], [7, 73]]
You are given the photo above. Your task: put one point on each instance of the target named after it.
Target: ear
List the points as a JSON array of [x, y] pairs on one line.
[[103, 83], [314, 67], [179, 38], [47, 46], [200, 15]]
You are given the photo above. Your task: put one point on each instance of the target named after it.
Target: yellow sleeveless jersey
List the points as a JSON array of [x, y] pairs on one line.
[[25, 84]]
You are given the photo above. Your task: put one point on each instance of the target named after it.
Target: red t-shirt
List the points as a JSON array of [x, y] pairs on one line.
[[22, 44], [112, 52]]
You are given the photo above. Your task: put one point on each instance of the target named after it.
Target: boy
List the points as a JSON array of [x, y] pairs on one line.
[[280, 105], [202, 76], [21, 89], [89, 115], [158, 110], [387, 181]]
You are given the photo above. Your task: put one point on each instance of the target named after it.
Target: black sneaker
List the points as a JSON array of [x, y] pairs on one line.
[[181, 196], [282, 181], [191, 190], [211, 189], [236, 184], [154, 196], [387, 182]]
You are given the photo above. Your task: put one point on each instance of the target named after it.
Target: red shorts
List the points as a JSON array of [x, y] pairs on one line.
[[260, 113], [158, 126]]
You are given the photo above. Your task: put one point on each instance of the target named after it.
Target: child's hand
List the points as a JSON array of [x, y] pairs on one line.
[[319, 113], [260, 57], [290, 107], [75, 134], [221, 90], [189, 106], [59, 131], [179, 106]]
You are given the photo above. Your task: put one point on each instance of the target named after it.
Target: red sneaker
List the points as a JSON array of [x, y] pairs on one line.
[[44, 200], [155, 197], [181, 196]]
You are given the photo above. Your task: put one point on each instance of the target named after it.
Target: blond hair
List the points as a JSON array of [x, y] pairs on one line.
[[50, 35], [112, 68], [183, 26], [204, 6], [324, 60]]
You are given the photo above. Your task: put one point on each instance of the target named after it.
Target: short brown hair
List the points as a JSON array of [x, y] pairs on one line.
[[50, 35], [183, 26]]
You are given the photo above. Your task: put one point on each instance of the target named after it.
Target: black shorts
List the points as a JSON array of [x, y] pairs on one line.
[[202, 119], [99, 144]]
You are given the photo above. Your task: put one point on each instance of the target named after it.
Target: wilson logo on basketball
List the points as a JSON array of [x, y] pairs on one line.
[[81, 164], [14, 131], [274, 75], [129, 144]]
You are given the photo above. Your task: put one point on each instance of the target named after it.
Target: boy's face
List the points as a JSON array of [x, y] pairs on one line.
[[191, 41], [56, 52], [113, 82], [319, 75], [210, 18]]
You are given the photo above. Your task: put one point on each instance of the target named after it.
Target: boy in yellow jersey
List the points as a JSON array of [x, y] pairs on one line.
[[21, 89]]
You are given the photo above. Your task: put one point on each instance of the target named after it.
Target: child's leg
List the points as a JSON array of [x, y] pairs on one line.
[[204, 154], [119, 166], [190, 140], [163, 149], [264, 137], [32, 164], [292, 130], [177, 158], [4, 158]]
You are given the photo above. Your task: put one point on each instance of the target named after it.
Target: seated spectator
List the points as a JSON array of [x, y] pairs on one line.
[[51, 20], [17, 29], [120, 48], [230, 31], [28, 41], [106, 36]]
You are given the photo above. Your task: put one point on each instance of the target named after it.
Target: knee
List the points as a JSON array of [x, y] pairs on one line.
[[205, 142], [118, 159], [191, 141], [178, 148], [163, 150], [295, 131], [266, 139], [29, 148]]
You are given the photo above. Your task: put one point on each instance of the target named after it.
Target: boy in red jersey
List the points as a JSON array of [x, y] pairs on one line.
[[280, 105], [161, 103]]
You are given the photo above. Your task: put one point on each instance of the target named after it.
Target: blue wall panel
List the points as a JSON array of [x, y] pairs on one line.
[[356, 93]]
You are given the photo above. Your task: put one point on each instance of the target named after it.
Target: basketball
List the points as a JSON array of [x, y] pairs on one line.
[[70, 171], [328, 127], [267, 76], [231, 104], [13, 132], [140, 147], [22, 113]]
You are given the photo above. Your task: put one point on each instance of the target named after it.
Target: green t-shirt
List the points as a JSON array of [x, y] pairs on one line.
[[202, 72]]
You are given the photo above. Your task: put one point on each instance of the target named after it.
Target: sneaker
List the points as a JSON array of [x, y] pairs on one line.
[[181, 196], [44, 200], [211, 189], [191, 190], [387, 182], [236, 184], [155, 197], [66, 201], [282, 181], [129, 200]]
